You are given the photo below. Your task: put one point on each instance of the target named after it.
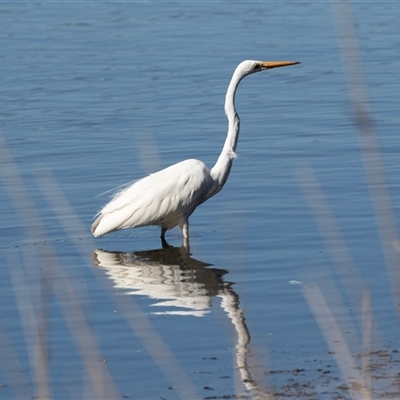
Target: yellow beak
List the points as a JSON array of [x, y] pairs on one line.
[[276, 64]]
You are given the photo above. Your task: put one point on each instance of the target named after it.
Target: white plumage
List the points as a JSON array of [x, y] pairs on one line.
[[168, 197], [156, 200]]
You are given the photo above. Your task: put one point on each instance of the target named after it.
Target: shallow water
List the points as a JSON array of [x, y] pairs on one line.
[[290, 287]]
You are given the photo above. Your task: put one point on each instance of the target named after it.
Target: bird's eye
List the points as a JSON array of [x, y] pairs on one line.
[[256, 66]]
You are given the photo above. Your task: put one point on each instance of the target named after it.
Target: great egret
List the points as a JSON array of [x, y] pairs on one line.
[[168, 197]]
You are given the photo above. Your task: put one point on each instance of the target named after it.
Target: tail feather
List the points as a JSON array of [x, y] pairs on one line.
[[94, 227], [108, 222]]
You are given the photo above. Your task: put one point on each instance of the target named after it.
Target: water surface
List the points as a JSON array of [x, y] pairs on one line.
[[288, 290]]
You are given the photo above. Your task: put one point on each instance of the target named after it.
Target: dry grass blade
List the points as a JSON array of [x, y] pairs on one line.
[[336, 342], [329, 230], [368, 136], [100, 379]]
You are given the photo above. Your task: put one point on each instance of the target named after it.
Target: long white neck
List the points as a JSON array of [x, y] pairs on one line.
[[222, 167]]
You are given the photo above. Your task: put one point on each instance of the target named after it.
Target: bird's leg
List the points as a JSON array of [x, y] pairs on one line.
[[186, 245], [164, 244], [185, 232], [185, 228]]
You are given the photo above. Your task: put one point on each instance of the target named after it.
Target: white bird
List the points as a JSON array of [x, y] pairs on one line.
[[168, 197]]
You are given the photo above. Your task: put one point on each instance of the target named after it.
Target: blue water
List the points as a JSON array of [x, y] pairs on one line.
[[99, 94]]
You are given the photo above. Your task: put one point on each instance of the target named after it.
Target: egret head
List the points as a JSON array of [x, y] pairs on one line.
[[251, 66]]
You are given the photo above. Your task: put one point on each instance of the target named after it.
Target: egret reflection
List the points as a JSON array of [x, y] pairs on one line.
[[181, 285]]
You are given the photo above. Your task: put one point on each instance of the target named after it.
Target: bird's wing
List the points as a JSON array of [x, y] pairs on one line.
[[163, 198]]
